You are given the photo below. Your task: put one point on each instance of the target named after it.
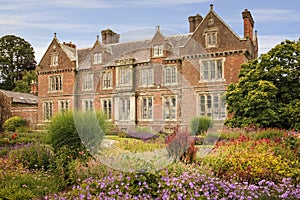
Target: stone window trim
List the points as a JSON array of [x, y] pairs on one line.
[[147, 77], [107, 78], [47, 110], [157, 50], [88, 82], [106, 107], [124, 76], [97, 58], [64, 105], [54, 59], [169, 107], [211, 39], [124, 109], [87, 104], [147, 108], [212, 70], [55, 83], [211, 105], [170, 75]]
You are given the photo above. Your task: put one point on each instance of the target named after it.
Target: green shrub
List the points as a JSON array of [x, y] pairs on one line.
[[270, 133], [78, 131], [200, 125], [13, 123], [34, 156]]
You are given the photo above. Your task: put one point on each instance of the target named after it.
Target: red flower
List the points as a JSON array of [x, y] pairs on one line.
[[14, 136]]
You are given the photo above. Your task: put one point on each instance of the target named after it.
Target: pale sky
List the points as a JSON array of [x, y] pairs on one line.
[[80, 21]]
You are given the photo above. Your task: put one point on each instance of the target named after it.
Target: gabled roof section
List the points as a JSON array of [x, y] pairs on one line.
[[69, 51], [158, 36], [19, 97]]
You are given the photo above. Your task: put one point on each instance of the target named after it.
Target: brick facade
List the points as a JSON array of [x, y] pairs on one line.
[[159, 82], [18, 104]]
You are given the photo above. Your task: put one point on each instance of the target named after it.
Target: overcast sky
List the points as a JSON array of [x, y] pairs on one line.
[[80, 21]]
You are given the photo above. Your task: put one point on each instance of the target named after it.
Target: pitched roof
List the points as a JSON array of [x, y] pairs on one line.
[[19, 97]]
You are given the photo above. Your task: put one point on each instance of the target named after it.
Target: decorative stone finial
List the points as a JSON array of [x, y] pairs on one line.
[[55, 35], [211, 6]]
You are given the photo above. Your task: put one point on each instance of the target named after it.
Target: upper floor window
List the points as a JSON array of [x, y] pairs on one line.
[[147, 108], [107, 80], [88, 81], [158, 50], [124, 107], [124, 76], [87, 104], [212, 105], [170, 107], [97, 59], [211, 69], [107, 107], [48, 110], [54, 59], [64, 105], [55, 83], [147, 77], [170, 75], [211, 39]]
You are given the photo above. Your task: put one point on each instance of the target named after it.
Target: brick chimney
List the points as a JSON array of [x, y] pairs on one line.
[[34, 88], [194, 21], [248, 24], [109, 37], [70, 44]]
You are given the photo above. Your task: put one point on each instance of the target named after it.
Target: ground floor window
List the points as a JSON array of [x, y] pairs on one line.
[[147, 108], [212, 105], [87, 104], [48, 110], [170, 107], [64, 105], [124, 109], [107, 107]]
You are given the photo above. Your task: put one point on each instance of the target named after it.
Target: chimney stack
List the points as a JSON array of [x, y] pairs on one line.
[[34, 88], [109, 37], [248, 24], [194, 22]]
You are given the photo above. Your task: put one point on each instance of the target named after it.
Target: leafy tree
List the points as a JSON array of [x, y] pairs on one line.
[[16, 55], [268, 91], [24, 85]]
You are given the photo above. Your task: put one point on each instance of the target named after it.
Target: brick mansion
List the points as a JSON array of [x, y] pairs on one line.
[[158, 82]]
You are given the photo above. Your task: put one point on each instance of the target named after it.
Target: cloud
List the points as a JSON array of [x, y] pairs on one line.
[[266, 42], [275, 15]]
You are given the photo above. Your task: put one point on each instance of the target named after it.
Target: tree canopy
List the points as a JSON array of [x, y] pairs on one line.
[[16, 56], [268, 91]]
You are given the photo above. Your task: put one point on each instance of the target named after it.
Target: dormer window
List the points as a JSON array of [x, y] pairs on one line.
[[158, 50], [97, 58], [54, 60], [211, 39]]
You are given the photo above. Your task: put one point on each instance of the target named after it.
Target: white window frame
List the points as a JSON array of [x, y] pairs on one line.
[[211, 39], [64, 105], [88, 81], [170, 75], [124, 109], [158, 50], [54, 59], [47, 110], [97, 58], [211, 105], [147, 77], [170, 108], [107, 80], [106, 105], [146, 108], [212, 69], [87, 104], [125, 76], [55, 83]]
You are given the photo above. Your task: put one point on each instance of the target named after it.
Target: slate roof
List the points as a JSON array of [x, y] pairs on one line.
[[139, 50], [19, 97]]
